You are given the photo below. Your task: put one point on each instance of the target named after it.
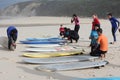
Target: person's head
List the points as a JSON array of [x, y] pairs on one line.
[[68, 29], [97, 27], [65, 28], [99, 31], [61, 25], [74, 15], [94, 16], [109, 15]]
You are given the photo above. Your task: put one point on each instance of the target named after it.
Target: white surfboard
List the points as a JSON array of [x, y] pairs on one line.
[[72, 65], [41, 49], [66, 48], [58, 59], [43, 45]]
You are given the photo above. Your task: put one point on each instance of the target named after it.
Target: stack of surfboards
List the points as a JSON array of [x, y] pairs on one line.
[[46, 45], [57, 61]]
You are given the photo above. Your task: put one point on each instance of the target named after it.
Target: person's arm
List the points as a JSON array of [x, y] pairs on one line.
[[90, 35], [72, 20], [98, 43], [118, 24], [116, 21]]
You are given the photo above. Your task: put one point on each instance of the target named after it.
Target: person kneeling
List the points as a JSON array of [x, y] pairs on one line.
[[73, 35], [102, 45]]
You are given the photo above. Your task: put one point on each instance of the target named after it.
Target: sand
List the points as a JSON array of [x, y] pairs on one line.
[[12, 67]]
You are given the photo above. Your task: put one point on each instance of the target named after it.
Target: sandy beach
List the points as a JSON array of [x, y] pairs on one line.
[[12, 67]]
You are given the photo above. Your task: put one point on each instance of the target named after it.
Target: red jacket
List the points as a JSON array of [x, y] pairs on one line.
[[61, 29], [95, 21]]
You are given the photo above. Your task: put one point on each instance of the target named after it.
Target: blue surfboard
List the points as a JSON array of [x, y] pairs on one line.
[[38, 39], [110, 78], [43, 42], [107, 78]]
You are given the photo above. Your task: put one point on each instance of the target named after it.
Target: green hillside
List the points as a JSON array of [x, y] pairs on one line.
[[83, 8]]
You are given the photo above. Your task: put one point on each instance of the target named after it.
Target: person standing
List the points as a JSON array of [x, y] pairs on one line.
[[115, 24], [95, 21], [12, 34], [75, 19]]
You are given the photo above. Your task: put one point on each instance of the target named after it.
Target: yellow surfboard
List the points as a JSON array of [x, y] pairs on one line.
[[47, 55]]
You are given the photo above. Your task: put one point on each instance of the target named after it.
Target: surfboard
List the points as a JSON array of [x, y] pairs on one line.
[[65, 48], [43, 45], [58, 59], [72, 66], [108, 78], [43, 42], [55, 54], [37, 39], [99, 78], [41, 50]]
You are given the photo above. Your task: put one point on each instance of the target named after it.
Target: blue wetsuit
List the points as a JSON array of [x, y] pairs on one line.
[[94, 36], [115, 26], [12, 34]]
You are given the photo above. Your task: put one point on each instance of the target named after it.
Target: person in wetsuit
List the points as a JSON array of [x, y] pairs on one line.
[[115, 24], [12, 34]]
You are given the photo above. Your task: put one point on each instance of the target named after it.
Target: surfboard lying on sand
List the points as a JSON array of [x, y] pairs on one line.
[[49, 39], [43, 45], [55, 54], [44, 41], [109, 78], [65, 48], [103, 78], [72, 66], [58, 59]]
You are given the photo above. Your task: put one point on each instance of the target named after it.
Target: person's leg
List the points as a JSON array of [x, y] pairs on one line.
[[92, 49], [113, 33], [95, 52], [77, 27], [70, 40], [9, 43], [60, 34], [102, 56]]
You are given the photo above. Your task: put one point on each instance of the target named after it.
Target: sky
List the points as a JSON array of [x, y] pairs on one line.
[[6, 3]]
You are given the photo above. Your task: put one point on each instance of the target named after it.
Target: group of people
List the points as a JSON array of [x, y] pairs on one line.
[[99, 42], [71, 34]]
